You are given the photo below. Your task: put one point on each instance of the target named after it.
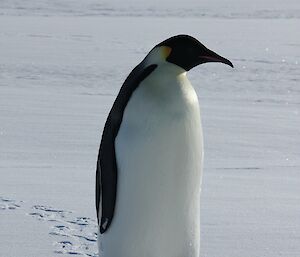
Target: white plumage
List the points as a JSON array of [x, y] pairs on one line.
[[159, 158]]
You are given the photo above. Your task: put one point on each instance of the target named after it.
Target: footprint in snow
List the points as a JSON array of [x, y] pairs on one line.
[[47, 213], [73, 235], [9, 204]]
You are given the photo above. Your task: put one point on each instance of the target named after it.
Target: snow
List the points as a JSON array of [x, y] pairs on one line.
[[62, 63]]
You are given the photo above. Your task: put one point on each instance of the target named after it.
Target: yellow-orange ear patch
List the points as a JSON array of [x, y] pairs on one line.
[[165, 51]]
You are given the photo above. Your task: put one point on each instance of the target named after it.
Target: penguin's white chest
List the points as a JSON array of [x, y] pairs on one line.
[[159, 160]]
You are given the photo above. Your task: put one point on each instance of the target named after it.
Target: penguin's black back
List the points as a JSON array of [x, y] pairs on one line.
[[106, 173]]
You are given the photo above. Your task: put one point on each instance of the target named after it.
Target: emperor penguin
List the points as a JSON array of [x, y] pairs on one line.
[[149, 167]]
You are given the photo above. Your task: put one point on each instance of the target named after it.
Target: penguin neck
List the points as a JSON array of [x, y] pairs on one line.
[[168, 85], [157, 57], [171, 69]]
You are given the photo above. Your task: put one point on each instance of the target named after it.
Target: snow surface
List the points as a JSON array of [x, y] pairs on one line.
[[62, 64]]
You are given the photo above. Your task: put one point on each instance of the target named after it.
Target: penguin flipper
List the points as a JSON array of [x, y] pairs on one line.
[[106, 173]]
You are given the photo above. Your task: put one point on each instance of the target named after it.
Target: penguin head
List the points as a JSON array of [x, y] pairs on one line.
[[187, 52]]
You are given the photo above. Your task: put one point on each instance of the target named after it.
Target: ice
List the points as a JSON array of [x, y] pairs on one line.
[[62, 64], [134, 8]]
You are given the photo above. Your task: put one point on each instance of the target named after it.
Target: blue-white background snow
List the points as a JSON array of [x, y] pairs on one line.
[[61, 66]]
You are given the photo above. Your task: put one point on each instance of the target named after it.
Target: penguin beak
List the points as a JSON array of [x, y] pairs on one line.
[[210, 56]]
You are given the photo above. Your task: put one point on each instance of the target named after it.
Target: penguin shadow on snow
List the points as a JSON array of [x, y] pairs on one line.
[[72, 235]]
